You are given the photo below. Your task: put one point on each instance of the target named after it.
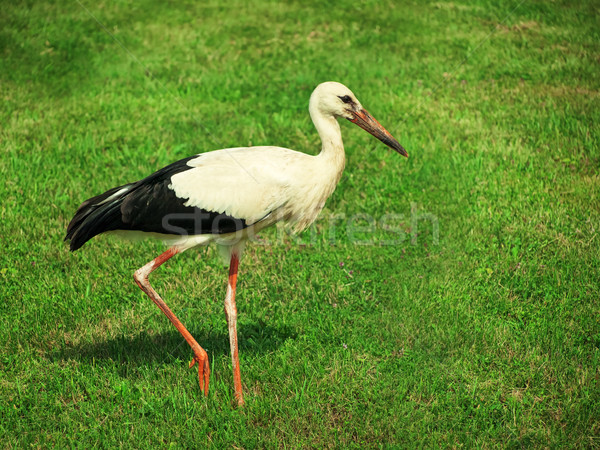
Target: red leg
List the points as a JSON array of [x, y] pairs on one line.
[[200, 356], [231, 315]]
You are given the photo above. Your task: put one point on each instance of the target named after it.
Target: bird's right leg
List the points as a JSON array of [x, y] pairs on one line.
[[231, 316], [200, 356]]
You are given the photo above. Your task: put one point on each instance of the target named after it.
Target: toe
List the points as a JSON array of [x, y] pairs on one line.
[[203, 371]]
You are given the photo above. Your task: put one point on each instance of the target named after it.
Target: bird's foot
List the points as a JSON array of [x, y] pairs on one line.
[[201, 358]]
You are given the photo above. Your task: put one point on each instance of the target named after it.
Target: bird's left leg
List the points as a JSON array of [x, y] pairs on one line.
[[200, 356], [231, 315]]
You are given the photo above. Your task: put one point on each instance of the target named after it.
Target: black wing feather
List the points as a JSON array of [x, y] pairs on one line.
[[147, 205]]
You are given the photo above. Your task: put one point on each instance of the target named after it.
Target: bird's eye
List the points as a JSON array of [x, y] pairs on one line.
[[346, 99]]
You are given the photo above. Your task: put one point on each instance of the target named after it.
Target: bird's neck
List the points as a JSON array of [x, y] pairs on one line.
[[332, 148]]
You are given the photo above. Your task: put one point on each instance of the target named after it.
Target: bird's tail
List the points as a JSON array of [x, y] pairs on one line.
[[96, 215]]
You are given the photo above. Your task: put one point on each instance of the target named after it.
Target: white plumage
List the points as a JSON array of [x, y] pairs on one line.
[[252, 182]]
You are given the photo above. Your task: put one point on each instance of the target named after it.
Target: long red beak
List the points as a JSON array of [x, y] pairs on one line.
[[368, 123]]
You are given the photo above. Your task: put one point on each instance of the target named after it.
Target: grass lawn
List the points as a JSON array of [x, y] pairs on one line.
[[448, 299]]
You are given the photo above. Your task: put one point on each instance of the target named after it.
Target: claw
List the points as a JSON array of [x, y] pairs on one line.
[[203, 371]]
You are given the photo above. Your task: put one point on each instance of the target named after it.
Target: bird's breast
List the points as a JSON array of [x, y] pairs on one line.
[[315, 187]]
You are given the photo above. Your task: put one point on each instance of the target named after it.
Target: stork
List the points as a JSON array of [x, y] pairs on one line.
[[227, 196]]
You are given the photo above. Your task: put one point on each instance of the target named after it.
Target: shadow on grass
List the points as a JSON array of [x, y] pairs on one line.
[[168, 346]]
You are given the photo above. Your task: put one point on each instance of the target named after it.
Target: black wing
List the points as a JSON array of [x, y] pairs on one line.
[[147, 205]]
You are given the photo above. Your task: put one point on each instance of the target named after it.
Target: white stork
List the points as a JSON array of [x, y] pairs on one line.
[[227, 196]]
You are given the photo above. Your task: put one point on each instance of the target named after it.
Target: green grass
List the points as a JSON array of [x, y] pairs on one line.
[[487, 336]]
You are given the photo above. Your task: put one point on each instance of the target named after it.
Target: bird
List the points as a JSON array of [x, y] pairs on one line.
[[226, 197]]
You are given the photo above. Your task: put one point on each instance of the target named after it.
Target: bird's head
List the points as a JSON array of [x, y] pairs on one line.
[[335, 99]]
